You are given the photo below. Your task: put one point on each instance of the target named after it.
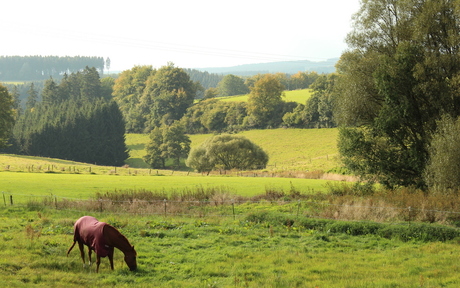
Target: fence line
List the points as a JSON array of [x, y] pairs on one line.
[[8, 199]]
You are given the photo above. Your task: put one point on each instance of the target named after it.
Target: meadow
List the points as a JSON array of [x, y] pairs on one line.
[[249, 251], [300, 96], [288, 149], [283, 230]]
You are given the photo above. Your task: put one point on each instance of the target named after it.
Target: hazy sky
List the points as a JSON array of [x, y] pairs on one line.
[[192, 34]]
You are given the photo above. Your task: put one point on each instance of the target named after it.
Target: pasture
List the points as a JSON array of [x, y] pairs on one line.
[[300, 96], [288, 149], [218, 252], [264, 243]]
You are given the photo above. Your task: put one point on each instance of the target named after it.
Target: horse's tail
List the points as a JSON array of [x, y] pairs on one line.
[[71, 247]]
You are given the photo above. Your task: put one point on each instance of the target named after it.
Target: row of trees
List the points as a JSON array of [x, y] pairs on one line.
[[149, 98], [30, 68], [76, 120]]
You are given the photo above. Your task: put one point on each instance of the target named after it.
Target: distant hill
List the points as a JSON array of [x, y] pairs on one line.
[[289, 67]]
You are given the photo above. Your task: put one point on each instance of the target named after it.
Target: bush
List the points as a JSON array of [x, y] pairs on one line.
[[227, 152]]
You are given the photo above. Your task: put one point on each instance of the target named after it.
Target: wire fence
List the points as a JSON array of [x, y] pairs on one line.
[[226, 207]]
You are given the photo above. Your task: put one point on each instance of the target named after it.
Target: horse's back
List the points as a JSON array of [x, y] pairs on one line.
[[90, 232]]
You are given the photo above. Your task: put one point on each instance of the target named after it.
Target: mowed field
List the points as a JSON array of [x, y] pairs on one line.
[[290, 151], [299, 96]]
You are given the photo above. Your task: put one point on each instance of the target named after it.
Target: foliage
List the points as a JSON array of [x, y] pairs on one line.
[[318, 109], [396, 81], [213, 116], [127, 92], [265, 102], [73, 122], [167, 142], [232, 85], [227, 152], [443, 167], [167, 95], [7, 115]]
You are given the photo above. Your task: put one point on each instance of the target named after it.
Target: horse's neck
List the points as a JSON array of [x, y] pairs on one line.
[[115, 239]]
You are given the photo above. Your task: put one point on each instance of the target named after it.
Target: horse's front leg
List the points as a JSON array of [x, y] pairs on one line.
[[110, 255], [98, 262]]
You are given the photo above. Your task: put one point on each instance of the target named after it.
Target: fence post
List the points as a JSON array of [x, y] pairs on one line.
[[100, 205], [11, 200], [4, 199], [298, 208], [233, 208], [410, 214], [165, 206]]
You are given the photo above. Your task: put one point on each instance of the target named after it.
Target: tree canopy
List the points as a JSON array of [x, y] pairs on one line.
[[227, 152], [399, 77], [74, 122]]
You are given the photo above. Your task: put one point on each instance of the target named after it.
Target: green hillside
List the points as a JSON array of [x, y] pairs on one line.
[[299, 96], [288, 149]]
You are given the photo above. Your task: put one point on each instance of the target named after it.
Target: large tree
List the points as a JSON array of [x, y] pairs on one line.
[[400, 75], [265, 103], [167, 95], [232, 85], [6, 115], [227, 152], [167, 142]]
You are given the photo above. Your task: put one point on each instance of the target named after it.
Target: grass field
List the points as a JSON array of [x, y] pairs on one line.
[[84, 186], [288, 149], [217, 252], [299, 96]]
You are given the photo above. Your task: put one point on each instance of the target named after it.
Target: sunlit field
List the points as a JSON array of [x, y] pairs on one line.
[[299, 96]]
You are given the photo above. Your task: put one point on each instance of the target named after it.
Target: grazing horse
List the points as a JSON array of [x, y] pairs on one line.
[[102, 238]]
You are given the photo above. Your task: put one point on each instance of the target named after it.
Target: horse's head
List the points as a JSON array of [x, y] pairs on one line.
[[130, 259]]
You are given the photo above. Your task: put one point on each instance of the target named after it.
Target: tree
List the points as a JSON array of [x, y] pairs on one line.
[[167, 142], [232, 85], [167, 95], [50, 93], [32, 98], [265, 101], [7, 115], [227, 152], [443, 168], [399, 77], [127, 92]]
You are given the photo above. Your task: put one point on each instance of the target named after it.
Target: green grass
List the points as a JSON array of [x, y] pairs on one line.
[[299, 96], [288, 149], [217, 252], [84, 186]]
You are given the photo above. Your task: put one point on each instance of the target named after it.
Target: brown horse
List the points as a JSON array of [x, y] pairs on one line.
[[102, 238]]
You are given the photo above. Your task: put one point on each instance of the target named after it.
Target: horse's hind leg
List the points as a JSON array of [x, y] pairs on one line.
[[89, 256], [82, 252]]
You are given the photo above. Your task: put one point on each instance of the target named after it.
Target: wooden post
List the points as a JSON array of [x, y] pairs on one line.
[[11, 200], [4, 199], [165, 206], [233, 208]]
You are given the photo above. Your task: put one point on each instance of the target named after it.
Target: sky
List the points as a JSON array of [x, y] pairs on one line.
[[191, 34]]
